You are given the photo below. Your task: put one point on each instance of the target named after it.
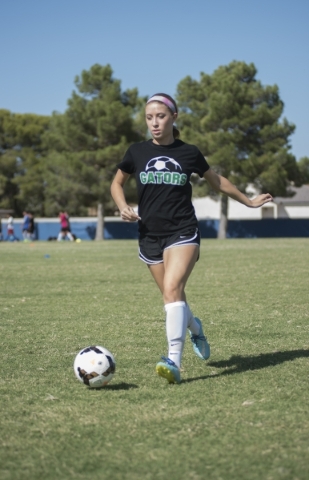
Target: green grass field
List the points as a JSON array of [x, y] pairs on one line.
[[241, 415]]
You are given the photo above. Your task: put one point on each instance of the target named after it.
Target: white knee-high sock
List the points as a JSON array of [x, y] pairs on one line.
[[191, 322], [176, 328]]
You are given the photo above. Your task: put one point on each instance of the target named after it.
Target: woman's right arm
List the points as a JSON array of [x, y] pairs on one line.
[[127, 213]]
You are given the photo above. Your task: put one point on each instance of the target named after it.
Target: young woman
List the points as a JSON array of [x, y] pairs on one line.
[[169, 238], [65, 230]]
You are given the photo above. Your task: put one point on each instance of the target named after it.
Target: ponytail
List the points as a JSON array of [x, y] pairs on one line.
[[176, 132]]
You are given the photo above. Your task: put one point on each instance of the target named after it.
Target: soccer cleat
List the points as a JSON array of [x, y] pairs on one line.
[[200, 345], [169, 370]]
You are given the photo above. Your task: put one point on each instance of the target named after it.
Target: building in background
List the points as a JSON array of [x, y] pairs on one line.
[[294, 207]]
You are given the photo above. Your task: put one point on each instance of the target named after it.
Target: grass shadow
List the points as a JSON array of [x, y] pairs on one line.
[[240, 364], [118, 386]]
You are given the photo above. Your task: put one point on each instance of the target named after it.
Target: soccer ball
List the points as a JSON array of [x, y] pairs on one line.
[[94, 366], [163, 163]]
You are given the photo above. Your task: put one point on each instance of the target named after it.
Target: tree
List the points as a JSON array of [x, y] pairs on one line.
[[303, 166], [21, 166], [88, 140], [235, 121]]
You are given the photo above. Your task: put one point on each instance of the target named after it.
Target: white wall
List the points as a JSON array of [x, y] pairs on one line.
[[297, 211], [206, 207]]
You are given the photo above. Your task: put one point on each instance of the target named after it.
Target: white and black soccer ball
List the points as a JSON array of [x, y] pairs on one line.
[[163, 164], [94, 366]]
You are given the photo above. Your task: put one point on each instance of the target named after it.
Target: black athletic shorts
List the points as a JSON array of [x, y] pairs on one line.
[[151, 248]]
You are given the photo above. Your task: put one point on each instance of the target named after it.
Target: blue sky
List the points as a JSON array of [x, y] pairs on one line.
[[152, 46]]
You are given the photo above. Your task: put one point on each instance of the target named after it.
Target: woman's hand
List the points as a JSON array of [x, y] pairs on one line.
[[260, 200], [223, 185], [128, 214]]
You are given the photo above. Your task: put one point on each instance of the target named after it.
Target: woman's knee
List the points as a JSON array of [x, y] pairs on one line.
[[173, 293]]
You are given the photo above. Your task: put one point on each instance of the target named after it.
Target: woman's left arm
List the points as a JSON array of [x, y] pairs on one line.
[[223, 185]]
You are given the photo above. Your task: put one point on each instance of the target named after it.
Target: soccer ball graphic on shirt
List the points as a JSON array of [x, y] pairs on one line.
[[163, 164], [94, 366]]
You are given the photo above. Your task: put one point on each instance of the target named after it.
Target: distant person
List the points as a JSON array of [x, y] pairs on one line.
[[31, 228], [10, 237], [25, 226], [64, 227], [68, 220]]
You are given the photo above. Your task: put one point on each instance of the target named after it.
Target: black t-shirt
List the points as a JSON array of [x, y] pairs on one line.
[[162, 174]]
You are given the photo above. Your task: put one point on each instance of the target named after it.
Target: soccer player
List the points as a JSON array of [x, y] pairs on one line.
[[169, 238], [65, 230], [25, 226], [10, 229]]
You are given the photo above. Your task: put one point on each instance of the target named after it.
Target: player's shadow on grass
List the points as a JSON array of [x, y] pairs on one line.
[[240, 364], [118, 386]]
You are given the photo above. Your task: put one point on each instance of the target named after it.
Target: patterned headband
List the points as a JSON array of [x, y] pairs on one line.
[[166, 101]]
